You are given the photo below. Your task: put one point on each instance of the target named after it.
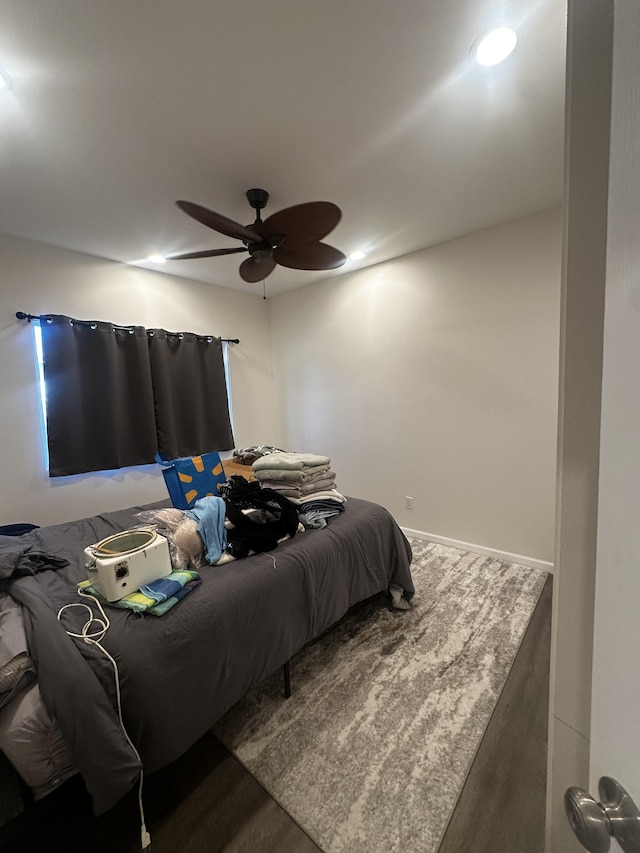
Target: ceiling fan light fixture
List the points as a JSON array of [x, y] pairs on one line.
[[157, 259], [357, 256], [495, 46]]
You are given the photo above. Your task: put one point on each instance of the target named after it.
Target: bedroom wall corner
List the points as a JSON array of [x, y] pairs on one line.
[[38, 278], [435, 376]]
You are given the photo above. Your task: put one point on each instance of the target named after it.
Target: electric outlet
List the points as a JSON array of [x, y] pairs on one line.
[[408, 502]]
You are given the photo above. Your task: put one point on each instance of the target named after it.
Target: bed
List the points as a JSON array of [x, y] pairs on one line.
[[178, 673]]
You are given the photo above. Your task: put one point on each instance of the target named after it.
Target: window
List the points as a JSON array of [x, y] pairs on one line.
[[115, 396], [37, 334]]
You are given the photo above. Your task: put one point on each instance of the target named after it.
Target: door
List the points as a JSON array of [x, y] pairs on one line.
[[615, 704], [596, 711]]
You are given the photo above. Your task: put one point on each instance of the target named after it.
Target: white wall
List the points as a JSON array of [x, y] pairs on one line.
[[435, 376], [41, 279]]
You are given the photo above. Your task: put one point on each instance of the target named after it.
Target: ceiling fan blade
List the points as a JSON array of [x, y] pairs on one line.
[[218, 222], [207, 253], [317, 256], [303, 223], [253, 271]]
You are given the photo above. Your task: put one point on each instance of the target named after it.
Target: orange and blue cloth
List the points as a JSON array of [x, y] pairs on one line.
[[191, 478]]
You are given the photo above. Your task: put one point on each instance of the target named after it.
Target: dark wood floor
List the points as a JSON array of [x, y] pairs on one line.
[[203, 803], [501, 808], [206, 802]]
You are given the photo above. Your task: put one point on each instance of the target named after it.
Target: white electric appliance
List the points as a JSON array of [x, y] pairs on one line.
[[124, 562]]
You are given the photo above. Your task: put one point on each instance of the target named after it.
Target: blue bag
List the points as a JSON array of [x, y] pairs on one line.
[[192, 477]]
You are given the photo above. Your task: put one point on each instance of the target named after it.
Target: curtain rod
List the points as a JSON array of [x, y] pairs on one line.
[[22, 315]]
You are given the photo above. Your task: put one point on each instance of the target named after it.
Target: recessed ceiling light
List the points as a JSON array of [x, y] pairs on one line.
[[157, 259], [496, 46], [357, 256]]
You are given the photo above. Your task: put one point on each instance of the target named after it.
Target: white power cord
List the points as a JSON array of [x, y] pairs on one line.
[[94, 637]]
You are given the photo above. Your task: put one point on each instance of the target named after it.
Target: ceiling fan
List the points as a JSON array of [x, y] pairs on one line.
[[291, 237]]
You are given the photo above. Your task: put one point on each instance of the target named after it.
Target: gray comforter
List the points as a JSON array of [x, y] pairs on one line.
[[181, 672]]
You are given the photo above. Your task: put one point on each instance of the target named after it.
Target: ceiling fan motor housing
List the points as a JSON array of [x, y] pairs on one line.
[[260, 251]]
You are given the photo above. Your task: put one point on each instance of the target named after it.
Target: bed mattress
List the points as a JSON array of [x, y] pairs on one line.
[[181, 672]]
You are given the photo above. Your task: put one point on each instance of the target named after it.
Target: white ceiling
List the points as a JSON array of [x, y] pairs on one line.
[[120, 107]]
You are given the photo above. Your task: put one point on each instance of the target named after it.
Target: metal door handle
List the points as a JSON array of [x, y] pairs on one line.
[[616, 815]]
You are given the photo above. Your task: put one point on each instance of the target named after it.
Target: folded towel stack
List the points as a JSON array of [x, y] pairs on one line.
[[307, 480]]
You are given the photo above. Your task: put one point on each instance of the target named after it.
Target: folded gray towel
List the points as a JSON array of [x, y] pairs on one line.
[[298, 491], [290, 461], [286, 475]]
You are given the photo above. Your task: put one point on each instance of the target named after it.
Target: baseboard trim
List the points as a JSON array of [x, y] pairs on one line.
[[480, 549]]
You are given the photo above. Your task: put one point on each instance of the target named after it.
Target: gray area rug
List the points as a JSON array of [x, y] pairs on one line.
[[389, 707]]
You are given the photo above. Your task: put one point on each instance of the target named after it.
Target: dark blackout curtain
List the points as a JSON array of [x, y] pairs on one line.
[[190, 393], [100, 411], [116, 396]]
